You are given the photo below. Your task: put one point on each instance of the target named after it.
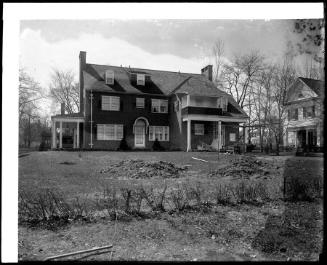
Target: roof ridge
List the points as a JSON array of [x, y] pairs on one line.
[[310, 79], [143, 69]]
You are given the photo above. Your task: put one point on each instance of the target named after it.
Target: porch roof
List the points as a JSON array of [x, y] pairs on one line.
[[201, 117], [72, 117]]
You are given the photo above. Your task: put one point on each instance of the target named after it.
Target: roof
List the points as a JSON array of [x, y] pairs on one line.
[[316, 85], [160, 83]]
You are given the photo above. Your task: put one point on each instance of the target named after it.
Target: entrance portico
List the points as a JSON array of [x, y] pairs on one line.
[[68, 128]]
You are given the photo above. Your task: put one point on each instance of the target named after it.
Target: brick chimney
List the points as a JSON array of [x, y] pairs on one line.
[[62, 108], [207, 71], [82, 65]]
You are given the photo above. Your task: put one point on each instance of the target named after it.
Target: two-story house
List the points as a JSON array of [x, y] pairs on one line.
[[180, 110], [304, 123]]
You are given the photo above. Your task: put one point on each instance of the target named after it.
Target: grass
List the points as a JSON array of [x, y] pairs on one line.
[[216, 227]]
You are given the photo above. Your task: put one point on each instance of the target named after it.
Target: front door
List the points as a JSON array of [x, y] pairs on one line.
[[139, 134]]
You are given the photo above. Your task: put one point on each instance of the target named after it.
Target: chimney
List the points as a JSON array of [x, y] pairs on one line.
[[207, 71], [82, 65], [62, 108]]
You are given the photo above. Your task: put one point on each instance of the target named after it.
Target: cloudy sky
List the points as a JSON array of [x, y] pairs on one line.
[[176, 45]]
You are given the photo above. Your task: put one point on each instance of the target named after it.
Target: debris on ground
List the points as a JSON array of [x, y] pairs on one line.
[[144, 169], [245, 167]]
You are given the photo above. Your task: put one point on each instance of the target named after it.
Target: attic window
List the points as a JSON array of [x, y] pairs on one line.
[[140, 79], [110, 77]]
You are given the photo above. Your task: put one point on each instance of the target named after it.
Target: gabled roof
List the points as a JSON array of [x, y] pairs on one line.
[[316, 85], [161, 82]]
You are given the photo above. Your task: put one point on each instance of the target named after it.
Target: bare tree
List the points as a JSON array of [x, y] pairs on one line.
[[239, 76], [64, 89], [284, 77], [218, 52]]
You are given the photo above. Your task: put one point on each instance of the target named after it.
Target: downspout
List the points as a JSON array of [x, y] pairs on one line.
[[91, 121]]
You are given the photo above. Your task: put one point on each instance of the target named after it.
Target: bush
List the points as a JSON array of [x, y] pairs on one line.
[[179, 198], [223, 195], [123, 146], [157, 146], [155, 200]]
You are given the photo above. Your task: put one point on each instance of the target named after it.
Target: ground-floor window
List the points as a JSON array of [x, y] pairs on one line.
[[161, 133], [110, 131], [199, 129]]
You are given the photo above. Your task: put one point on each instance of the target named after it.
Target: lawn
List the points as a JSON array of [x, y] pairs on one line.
[[220, 231]]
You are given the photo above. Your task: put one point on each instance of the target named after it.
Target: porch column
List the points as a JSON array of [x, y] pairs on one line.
[[60, 135], [296, 141], [286, 137], [306, 137], [188, 136], [77, 136], [318, 135], [219, 135], [54, 138]]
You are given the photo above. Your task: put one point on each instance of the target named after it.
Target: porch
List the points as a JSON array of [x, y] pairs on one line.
[[66, 131], [307, 138], [214, 132]]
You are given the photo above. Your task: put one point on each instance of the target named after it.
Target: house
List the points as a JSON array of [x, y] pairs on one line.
[[304, 123], [181, 110]]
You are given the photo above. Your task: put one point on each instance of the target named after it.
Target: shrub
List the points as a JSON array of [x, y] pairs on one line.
[[123, 146], [155, 200], [179, 198], [223, 194], [157, 146]]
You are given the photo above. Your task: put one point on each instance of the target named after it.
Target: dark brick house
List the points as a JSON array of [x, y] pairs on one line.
[[181, 110]]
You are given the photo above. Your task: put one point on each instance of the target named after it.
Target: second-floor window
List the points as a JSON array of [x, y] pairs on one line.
[[140, 79], [308, 112], [293, 114], [159, 105], [140, 103], [110, 103], [110, 77]]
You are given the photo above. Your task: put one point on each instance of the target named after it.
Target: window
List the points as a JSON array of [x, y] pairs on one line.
[[110, 103], [198, 129], [310, 112], [294, 114], [140, 103], [176, 106], [110, 131], [232, 137], [222, 103], [110, 77], [159, 106], [140, 80], [161, 133]]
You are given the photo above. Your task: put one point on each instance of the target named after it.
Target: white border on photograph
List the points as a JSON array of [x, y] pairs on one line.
[[14, 13]]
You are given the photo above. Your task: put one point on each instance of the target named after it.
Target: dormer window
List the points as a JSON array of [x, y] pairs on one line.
[[140, 79], [110, 77]]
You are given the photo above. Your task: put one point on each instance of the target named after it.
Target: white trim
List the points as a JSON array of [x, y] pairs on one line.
[[72, 119], [199, 117]]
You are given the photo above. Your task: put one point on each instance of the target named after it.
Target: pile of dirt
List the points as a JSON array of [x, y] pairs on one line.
[[246, 167], [144, 169]]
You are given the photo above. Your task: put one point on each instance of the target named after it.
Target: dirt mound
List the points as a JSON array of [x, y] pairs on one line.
[[144, 169], [245, 167]]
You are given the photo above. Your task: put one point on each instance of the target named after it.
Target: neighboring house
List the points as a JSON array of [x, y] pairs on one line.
[[180, 110], [304, 122]]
